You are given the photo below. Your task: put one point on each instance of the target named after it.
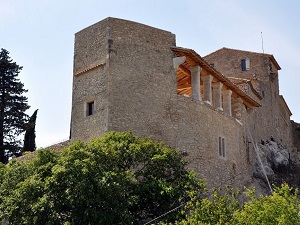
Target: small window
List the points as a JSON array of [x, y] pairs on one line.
[[276, 122], [212, 65], [245, 64], [90, 108], [221, 147]]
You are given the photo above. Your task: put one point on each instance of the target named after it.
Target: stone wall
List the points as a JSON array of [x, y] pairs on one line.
[[91, 46], [228, 62], [296, 135], [199, 129], [91, 86], [90, 81], [142, 81]]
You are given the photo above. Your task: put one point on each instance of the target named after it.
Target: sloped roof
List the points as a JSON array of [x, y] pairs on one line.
[[237, 81], [271, 57]]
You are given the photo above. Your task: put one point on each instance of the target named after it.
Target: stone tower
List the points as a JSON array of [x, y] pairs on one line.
[[117, 63]]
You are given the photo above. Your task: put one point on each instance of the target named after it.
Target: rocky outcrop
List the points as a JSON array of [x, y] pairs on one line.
[[274, 157], [280, 164]]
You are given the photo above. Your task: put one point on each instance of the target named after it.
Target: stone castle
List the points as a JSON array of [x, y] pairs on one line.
[[129, 76]]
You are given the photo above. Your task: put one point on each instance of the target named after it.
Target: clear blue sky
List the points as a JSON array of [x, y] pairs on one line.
[[40, 33]]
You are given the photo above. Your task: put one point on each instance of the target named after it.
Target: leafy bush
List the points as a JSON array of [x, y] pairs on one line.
[[215, 209], [117, 179], [280, 208]]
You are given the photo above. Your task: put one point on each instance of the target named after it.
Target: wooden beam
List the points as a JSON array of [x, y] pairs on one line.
[[184, 70], [181, 86]]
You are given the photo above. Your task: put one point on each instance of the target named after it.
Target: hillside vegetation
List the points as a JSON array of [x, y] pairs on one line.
[[122, 179]]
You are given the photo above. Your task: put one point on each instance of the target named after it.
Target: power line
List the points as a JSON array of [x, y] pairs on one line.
[[165, 213]]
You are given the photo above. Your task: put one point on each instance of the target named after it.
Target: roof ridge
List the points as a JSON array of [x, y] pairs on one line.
[[240, 50]]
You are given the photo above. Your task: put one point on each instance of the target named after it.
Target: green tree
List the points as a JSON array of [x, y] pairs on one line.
[[282, 208], [217, 208], [12, 107], [117, 179], [29, 137]]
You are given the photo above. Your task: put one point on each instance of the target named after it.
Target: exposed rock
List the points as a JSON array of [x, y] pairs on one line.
[[280, 164], [274, 158]]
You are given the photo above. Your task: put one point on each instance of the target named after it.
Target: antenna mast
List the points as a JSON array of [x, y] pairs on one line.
[[262, 43]]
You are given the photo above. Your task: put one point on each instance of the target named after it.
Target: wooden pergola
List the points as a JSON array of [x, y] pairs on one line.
[[184, 85]]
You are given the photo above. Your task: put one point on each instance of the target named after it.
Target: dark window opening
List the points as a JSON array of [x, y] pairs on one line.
[[90, 108], [221, 147]]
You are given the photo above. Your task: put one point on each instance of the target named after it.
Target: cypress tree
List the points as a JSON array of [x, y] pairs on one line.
[[29, 138], [13, 105]]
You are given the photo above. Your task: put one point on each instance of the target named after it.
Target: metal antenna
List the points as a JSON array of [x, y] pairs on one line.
[[262, 42]]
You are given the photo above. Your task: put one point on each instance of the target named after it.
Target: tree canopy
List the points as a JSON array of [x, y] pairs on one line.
[[13, 105], [117, 179], [280, 208]]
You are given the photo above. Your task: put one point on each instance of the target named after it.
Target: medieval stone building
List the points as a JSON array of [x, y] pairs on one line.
[[260, 71], [129, 76]]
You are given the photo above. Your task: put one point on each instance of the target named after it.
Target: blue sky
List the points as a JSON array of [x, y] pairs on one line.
[[40, 36]]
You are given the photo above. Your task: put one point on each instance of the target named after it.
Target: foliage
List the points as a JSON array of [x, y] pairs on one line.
[[12, 107], [216, 209], [26, 153], [117, 179], [29, 137], [281, 207]]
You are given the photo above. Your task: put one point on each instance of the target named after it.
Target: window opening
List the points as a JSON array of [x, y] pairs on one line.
[[221, 147], [245, 64], [90, 108]]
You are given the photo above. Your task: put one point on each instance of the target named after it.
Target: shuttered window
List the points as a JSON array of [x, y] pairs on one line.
[[245, 64]]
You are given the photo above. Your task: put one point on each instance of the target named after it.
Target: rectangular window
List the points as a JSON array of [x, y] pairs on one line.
[[276, 122], [221, 147], [90, 108], [245, 64]]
